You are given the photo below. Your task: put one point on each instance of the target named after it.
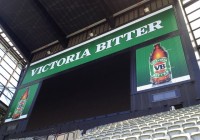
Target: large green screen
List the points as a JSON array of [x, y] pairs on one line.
[[173, 65], [20, 107]]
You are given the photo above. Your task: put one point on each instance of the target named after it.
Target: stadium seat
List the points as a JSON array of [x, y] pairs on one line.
[[195, 136], [126, 131], [184, 117], [115, 136], [161, 122], [159, 134], [188, 124], [179, 122], [174, 132], [131, 138], [191, 129], [161, 129], [105, 138], [145, 128], [172, 120], [167, 124], [136, 133], [51, 137], [145, 137], [135, 130], [155, 126], [149, 131], [61, 137], [108, 135], [192, 119], [198, 122], [196, 115], [162, 138], [184, 136], [174, 127], [100, 137], [126, 135]]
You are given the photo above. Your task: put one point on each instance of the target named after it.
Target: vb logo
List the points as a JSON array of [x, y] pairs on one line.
[[159, 67]]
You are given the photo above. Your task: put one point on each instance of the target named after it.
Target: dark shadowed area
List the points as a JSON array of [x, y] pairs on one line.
[[95, 89]]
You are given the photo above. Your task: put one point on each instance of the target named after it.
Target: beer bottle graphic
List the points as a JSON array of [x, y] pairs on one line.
[[21, 104], [159, 66]]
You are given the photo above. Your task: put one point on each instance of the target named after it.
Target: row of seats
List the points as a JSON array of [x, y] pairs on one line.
[[182, 124]]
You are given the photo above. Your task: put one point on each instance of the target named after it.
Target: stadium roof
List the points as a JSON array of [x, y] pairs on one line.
[[35, 23]]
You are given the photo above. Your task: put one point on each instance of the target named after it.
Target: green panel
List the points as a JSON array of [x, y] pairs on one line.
[[22, 108], [149, 27], [176, 58]]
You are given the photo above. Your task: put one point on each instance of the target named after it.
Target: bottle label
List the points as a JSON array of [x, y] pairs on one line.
[[20, 107], [160, 70]]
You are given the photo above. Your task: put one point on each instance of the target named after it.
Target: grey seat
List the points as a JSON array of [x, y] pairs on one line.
[[131, 138], [195, 136], [149, 131], [174, 127], [174, 132], [160, 129], [158, 134], [144, 137], [180, 137], [188, 124], [191, 129]]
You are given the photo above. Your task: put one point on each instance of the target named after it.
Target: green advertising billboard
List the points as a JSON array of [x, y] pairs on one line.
[[160, 64], [146, 28], [20, 107]]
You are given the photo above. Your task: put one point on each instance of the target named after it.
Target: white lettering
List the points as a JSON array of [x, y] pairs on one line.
[[151, 27], [86, 53], [40, 70], [109, 44], [44, 69], [117, 39], [101, 47], [34, 71], [70, 58], [77, 55], [128, 35], [155, 25], [61, 62], [141, 31], [53, 64]]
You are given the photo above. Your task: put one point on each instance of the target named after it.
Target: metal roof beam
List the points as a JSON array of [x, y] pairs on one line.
[[61, 36], [22, 48], [107, 12]]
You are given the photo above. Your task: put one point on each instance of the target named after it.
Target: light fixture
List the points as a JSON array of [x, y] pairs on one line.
[[7, 39], [1, 30], [21, 56], [146, 10], [14, 48], [10, 43], [3, 35], [91, 34], [48, 52]]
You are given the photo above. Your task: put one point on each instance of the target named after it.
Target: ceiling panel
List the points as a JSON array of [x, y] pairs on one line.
[[72, 15], [27, 22], [34, 27]]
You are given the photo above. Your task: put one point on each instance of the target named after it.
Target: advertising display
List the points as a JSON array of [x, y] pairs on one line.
[[146, 28], [160, 64], [20, 107]]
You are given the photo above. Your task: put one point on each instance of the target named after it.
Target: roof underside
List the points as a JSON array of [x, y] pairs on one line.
[[35, 23]]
